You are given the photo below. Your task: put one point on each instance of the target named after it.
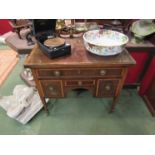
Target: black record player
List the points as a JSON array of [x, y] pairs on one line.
[[44, 29]]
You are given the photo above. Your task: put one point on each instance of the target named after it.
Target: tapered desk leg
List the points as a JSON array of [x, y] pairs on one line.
[[45, 105], [41, 94], [114, 102]]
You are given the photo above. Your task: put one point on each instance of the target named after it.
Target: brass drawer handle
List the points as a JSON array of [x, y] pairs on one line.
[[107, 87], [79, 83], [103, 72], [56, 73], [51, 88]]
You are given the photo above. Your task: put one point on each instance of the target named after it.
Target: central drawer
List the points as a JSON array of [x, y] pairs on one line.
[[100, 72], [79, 83]]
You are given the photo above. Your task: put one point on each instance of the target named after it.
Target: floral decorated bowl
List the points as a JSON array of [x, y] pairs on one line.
[[105, 42]]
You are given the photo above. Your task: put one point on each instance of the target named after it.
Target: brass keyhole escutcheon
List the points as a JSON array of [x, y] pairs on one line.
[[79, 83], [79, 72]]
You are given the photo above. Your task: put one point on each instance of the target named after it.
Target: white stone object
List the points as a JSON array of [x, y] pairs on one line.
[[23, 104]]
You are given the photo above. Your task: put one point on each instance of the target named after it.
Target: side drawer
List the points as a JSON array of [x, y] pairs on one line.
[[52, 88], [106, 88]]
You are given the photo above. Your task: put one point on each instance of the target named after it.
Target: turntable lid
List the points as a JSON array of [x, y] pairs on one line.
[[43, 25]]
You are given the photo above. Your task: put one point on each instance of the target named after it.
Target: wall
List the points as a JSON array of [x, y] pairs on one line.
[[4, 26]]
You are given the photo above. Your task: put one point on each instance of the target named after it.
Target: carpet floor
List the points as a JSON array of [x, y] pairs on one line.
[[8, 59], [80, 113]]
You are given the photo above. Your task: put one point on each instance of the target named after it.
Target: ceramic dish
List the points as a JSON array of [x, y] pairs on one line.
[[76, 35], [143, 27], [65, 32], [65, 35], [80, 26], [105, 42]]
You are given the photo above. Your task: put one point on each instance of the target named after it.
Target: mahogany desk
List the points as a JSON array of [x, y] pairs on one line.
[[102, 76]]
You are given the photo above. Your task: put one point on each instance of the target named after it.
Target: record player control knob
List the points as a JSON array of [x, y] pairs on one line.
[[57, 73]]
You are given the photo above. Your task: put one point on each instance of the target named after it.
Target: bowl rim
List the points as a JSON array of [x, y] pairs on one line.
[[127, 39]]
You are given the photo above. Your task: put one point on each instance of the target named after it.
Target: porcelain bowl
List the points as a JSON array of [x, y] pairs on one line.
[[105, 42]]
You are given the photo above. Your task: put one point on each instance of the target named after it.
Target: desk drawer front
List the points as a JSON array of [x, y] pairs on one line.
[[79, 83], [52, 88], [106, 88], [101, 72]]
